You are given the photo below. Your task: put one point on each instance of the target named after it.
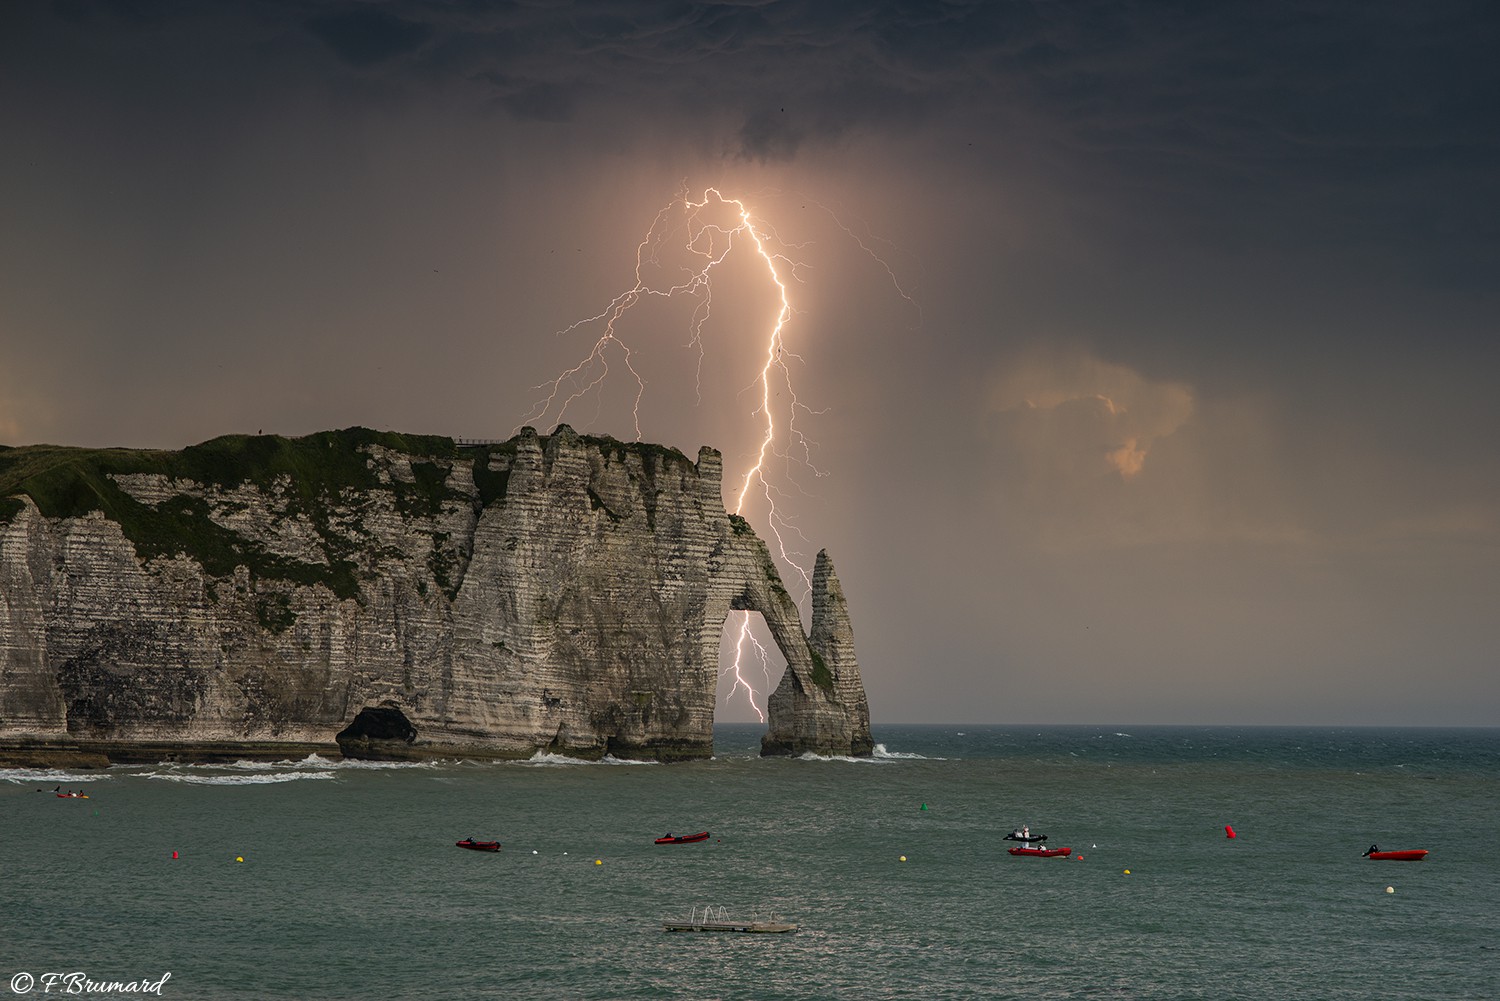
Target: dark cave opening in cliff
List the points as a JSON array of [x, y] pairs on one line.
[[750, 666]]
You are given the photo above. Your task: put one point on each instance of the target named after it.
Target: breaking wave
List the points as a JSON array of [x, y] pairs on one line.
[[878, 756], [258, 778], [810, 756], [56, 776], [313, 761], [542, 759], [881, 752]]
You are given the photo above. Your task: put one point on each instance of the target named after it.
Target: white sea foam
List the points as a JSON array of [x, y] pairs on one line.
[[243, 765], [881, 752], [56, 776], [311, 762], [261, 778], [878, 756], [320, 762], [545, 760], [810, 756]]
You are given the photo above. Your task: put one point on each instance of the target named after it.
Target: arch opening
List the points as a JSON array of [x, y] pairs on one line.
[[749, 667]]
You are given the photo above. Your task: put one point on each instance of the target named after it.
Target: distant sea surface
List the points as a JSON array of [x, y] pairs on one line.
[[351, 887]]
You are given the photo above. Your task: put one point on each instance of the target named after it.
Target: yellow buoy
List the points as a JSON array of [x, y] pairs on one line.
[[903, 858], [239, 858], [598, 861], [1127, 872]]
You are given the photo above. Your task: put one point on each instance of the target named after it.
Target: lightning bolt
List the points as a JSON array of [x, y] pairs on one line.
[[702, 234]]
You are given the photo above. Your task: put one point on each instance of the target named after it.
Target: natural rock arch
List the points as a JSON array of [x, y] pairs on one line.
[[548, 592]]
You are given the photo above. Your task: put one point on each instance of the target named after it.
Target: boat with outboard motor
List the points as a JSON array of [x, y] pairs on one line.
[[478, 846], [682, 839], [1403, 855], [1031, 844]]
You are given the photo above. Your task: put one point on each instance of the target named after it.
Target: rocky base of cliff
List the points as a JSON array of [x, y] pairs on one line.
[[102, 754]]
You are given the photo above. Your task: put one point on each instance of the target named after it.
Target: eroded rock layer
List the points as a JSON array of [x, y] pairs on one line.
[[394, 596]]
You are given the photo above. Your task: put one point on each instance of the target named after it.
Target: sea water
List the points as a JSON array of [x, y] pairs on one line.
[[893, 867]]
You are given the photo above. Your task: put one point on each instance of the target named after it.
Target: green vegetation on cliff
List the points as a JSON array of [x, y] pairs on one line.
[[821, 676], [309, 475], [311, 478], [644, 450]]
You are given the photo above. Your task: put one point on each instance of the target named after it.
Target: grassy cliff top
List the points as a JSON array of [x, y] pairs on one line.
[[70, 482], [312, 472], [65, 481], [317, 478]]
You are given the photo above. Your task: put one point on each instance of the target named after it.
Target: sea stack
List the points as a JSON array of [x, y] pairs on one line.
[[823, 710]]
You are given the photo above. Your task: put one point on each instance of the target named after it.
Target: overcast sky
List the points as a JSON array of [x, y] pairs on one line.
[[1146, 352]]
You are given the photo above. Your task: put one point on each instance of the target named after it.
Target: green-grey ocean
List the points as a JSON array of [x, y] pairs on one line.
[[351, 886]]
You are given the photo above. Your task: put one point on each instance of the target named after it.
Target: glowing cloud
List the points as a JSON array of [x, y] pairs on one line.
[[1129, 458], [1079, 416]]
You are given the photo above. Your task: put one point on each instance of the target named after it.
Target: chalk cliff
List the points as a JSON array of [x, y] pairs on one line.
[[392, 596]]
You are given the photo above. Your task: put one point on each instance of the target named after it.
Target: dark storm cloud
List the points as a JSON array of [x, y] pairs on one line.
[[1357, 99], [539, 101], [121, 12], [1329, 110], [767, 135], [789, 71], [367, 36]]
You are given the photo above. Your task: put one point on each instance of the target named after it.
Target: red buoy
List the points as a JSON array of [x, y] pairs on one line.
[[1228, 831]]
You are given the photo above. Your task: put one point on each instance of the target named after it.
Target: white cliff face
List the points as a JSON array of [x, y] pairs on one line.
[[560, 593]]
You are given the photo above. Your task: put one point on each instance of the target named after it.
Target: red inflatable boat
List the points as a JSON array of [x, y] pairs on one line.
[[685, 839], [1406, 855], [1031, 844], [1040, 852]]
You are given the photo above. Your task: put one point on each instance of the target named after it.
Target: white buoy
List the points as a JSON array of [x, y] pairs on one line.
[[1390, 889]]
